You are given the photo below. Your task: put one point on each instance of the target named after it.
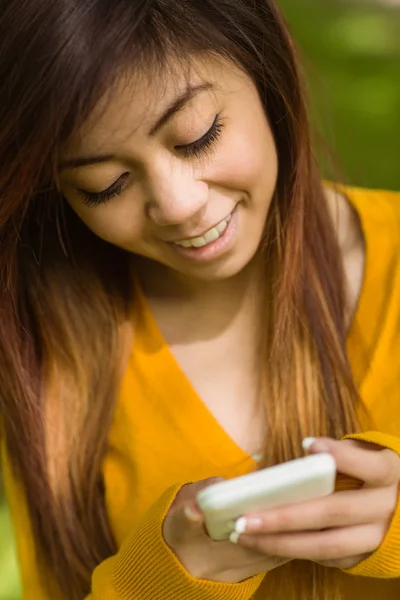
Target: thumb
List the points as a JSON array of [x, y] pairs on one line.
[[192, 513], [184, 509], [187, 494]]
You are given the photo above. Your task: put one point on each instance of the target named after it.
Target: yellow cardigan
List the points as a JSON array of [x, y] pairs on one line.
[[163, 436]]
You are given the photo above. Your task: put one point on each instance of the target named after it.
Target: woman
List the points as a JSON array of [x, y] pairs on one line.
[[182, 298]]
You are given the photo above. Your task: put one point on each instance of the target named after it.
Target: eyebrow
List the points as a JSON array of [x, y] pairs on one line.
[[174, 107]]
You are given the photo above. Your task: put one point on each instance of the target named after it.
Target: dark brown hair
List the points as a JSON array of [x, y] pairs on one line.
[[64, 294]]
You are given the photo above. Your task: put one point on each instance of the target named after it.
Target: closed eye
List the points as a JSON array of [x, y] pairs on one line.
[[93, 199], [203, 144], [194, 149]]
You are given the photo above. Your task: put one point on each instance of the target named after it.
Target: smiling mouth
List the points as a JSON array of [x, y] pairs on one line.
[[209, 236]]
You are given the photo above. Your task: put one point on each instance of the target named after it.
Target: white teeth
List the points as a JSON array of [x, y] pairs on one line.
[[210, 236], [221, 227], [198, 242]]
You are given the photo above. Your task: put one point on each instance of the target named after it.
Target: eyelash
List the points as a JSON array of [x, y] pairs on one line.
[[193, 150], [93, 199], [200, 146]]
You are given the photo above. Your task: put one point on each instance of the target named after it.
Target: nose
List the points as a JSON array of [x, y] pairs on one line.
[[176, 196]]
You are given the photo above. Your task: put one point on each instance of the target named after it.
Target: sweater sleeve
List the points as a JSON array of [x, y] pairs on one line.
[[146, 569], [143, 569], [385, 562]]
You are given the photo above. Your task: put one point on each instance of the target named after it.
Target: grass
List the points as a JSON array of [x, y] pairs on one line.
[[351, 54]]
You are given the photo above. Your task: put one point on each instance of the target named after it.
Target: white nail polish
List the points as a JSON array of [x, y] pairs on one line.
[[240, 525], [308, 442], [234, 537]]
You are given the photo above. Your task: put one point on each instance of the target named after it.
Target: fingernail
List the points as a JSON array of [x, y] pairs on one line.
[[240, 525], [321, 447], [248, 524], [308, 442], [190, 514], [234, 537]]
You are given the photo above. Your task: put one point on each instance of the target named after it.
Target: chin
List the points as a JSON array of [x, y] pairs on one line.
[[220, 270]]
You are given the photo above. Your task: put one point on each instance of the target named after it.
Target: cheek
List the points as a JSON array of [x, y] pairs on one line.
[[248, 160], [115, 222]]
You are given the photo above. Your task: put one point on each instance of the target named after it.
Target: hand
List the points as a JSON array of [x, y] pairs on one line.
[[202, 557], [339, 530]]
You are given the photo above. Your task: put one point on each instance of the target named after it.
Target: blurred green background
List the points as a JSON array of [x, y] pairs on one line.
[[350, 50]]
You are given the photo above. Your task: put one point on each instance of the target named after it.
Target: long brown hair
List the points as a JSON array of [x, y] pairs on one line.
[[65, 294]]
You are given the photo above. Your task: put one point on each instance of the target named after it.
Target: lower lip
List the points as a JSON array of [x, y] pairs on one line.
[[214, 249]]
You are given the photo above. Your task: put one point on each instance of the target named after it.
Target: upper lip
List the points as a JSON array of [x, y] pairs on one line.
[[193, 236]]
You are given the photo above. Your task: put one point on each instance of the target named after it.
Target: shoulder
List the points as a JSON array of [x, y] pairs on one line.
[[378, 207], [376, 211], [373, 341], [367, 223]]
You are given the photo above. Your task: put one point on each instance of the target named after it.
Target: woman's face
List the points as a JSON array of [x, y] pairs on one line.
[[181, 172]]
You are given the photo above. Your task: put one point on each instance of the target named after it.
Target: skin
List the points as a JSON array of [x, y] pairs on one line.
[[338, 531], [168, 195], [342, 529], [171, 197]]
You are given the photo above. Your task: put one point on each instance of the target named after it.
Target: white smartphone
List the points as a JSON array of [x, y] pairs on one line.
[[295, 481]]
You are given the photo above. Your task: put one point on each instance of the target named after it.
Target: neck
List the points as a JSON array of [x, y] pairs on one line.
[[210, 308], [160, 282]]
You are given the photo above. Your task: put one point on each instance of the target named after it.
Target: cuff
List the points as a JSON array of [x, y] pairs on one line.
[[385, 562], [147, 569]]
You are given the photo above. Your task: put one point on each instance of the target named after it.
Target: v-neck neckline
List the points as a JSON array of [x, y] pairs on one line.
[[184, 403]]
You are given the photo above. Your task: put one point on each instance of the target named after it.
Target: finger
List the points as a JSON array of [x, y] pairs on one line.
[[344, 563], [184, 515], [187, 494], [342, 509], [334, 544], [377, 467], [181, 523], [182, 520]]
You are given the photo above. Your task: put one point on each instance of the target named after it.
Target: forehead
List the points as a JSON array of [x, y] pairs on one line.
[[139, 99]]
